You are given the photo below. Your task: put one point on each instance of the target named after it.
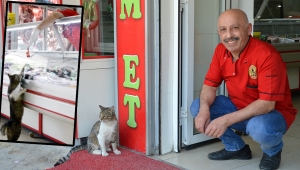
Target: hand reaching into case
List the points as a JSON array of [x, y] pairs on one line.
[[34, 37]]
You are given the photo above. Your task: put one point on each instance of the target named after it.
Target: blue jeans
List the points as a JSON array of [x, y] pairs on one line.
[[266, 129]]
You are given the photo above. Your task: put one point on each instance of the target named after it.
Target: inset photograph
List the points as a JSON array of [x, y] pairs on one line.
[[40, 72]]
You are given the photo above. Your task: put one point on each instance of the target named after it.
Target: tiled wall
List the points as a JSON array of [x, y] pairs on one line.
[[167, 62]]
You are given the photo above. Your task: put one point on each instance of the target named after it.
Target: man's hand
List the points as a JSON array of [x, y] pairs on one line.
[[202, 120], [217, 127]]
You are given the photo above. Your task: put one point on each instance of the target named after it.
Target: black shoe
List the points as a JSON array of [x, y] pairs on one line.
[[240, 133], [270, 163], [243, 154]]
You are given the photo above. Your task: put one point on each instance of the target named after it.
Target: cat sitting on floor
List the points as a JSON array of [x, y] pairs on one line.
[[103, 134], [12, 128]]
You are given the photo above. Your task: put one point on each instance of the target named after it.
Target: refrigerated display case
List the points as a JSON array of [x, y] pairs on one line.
[[278, 23], [50, 76]]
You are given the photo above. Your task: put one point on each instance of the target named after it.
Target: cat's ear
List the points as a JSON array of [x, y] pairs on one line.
[[101, 107], [9, 75], [112, 108]]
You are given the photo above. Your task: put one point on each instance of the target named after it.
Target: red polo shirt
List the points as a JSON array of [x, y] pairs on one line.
[[72, 31], [259, 73]]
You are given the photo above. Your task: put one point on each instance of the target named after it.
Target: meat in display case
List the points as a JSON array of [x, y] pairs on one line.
[[50, 57], [278, 23]]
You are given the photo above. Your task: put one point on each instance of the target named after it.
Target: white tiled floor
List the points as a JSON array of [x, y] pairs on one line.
[[196, 159]]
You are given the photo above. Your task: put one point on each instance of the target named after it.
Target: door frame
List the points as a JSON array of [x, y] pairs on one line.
[[185, 117]]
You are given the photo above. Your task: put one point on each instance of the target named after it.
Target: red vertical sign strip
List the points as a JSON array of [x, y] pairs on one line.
[[130, 18]]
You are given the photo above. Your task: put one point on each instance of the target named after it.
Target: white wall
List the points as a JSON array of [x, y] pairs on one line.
[[248, 7], [167, 55], [96, 87]]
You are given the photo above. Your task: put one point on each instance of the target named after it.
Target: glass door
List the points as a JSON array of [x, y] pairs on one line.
[[199, 39]]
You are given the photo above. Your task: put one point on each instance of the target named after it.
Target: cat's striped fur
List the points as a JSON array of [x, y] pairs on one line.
[[12, 128], [102, 135]]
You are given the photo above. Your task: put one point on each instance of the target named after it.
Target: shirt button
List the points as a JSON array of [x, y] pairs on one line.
[[233, 73]]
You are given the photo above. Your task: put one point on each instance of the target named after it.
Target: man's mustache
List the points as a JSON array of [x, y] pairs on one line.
[[231, 39]]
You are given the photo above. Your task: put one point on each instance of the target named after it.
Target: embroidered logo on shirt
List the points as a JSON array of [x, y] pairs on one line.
[[252, 72]]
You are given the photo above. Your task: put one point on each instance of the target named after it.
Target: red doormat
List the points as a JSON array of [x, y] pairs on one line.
[[128, 160]]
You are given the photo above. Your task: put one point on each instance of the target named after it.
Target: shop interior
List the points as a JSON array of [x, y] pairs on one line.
[[278, 22]]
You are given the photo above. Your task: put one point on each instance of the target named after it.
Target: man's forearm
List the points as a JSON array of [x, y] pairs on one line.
[[256, 108], [207, 96], [50, 20], [45, 23]]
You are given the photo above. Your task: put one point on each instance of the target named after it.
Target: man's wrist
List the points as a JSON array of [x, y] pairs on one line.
[[228, 119]]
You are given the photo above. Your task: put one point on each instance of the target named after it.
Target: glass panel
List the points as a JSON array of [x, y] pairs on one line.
[[53, 57], [277, 21], [33, 13], [27, 14], [99, 28], [51, 39], [49, 75], [39, 1]]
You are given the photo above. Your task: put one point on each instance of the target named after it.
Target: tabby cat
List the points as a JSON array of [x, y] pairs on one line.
[[15, 97], [103, 134]]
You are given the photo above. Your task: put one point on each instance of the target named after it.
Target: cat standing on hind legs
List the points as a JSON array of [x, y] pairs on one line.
[[103, 134], [12, 128]]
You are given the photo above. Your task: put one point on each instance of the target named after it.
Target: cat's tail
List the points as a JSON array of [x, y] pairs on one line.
[[4, 129], [66, 158]]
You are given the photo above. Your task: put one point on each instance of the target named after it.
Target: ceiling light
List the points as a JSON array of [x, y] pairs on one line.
[[279, 6]]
